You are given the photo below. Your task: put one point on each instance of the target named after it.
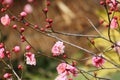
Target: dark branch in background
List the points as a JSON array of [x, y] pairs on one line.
[[109, 22]]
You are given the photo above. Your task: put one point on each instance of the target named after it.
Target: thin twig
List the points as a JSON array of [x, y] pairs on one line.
[[11, 69], [94, 27]]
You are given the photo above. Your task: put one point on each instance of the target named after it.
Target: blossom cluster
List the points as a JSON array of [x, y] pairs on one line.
[[65, 70]]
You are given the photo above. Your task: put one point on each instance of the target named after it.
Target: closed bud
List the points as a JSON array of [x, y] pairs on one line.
[[45, 10]]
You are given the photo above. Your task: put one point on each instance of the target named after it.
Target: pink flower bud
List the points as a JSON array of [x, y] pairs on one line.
[[14, 26], [36, 26], [7, 75], [28, 47], [20, 67], [16, 49], [23, 14], [2, 55], [45, 10], [22, 29], [48, 3], [8, 54]]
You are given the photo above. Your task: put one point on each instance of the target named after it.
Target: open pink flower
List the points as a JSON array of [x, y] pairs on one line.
[[61, 68], [28, 8], [5, 20], [98, 61], [62, 76], [71, 69], [58, 48], [114, 23], [64, 70], [2, 53], [117, 47], [114, 2], [8, 1], [30, 58]]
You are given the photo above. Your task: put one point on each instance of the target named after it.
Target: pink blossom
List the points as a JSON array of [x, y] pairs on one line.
[[71, 69], [61, 68], [30, 58], [8, 1], [98, 61], [23, 14], [16, 49], [30, 1], [5, 20], [28, 8], [2, 53], [117, 48], [114, 23], [64, 70], [62, 76], [7, 75], [114, 2], [58, 48]]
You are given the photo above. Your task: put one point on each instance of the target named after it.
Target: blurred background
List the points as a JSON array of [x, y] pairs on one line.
[[68, 16]]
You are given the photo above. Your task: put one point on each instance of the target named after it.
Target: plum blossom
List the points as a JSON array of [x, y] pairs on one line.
[[30, 1], [117, 48], [28, 8], [30, 58], [113, 4], [98, 61], [114, 23], [8, 1], [72, 70], [61, 68], [2, 53], [65, 70], [58, 48], [5, 20], [62, 76]]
